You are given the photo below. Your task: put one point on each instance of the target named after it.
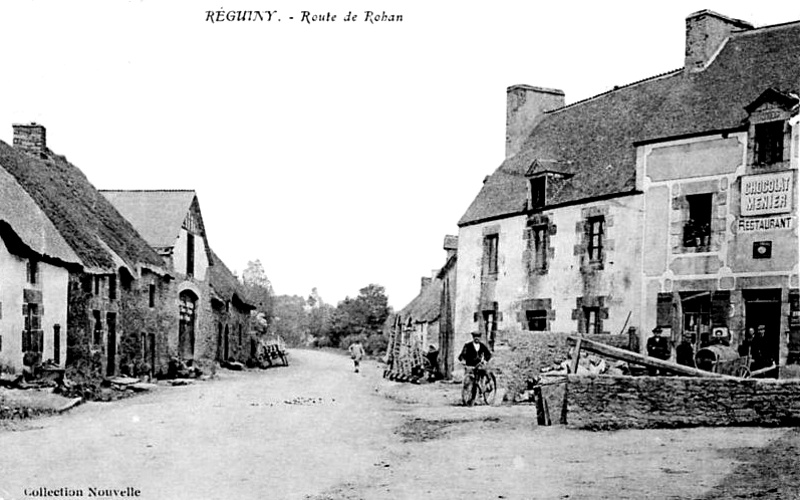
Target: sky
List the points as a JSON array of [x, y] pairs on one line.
[[339, 154]]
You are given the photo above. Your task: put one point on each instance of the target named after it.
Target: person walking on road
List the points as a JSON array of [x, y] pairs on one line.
[[356, 353]]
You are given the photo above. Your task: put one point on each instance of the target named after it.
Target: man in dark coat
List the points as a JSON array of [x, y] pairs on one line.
[[474, 352], [658, 347]]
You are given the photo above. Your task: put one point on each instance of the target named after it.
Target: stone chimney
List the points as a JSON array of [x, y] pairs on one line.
[[451, 245], [524, 104], [425, 283], [706, 31], [30, 138]]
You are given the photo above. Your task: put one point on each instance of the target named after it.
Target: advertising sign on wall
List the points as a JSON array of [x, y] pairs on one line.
[[767, 194]]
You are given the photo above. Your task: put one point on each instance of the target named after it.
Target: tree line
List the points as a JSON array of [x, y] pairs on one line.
[[310, 321]]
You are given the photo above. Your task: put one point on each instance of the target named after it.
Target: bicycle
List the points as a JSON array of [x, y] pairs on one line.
[[478, 379]]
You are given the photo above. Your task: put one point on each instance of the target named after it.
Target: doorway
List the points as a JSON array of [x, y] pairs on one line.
[[186, 327], [111, 350], [763, 314]]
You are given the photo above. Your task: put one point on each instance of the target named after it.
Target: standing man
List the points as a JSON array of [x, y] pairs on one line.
[[658, 347], [356, 353]]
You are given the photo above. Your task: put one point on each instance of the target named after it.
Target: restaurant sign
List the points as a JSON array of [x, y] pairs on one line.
[[767, 194], [765, 223]]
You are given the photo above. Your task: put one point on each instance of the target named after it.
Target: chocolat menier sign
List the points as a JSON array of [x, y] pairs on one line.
[[763, 196]]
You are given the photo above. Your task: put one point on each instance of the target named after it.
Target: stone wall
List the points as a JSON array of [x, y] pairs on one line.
[[606, 402], [520, 355]]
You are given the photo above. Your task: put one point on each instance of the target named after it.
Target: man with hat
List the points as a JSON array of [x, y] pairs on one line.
[[474, 352], [658, 346]]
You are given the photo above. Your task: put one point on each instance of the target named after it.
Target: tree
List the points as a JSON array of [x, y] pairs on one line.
[[362, 317], [258, 288], [290, 320]]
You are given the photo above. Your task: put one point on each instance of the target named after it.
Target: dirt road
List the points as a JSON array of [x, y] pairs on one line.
[[317, 430]]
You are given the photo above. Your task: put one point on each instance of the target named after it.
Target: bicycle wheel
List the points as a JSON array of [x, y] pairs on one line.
[[468, 389], [489, 388]]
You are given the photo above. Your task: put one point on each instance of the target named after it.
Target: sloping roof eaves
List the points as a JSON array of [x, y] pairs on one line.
[[30, 224], [225, 284], [595, 139], [425, 307], [78, 211]]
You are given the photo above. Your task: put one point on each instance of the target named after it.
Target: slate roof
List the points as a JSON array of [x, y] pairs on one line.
[[225, 284], [97, 234], [425, 307], [593, 141], [158, 215]]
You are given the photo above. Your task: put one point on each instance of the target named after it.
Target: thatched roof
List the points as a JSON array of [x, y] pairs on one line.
[[29, 224], [225, 284], [426, 306], [592, 143], [94, 230]]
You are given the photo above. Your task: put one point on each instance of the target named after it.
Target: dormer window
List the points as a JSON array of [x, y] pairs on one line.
[[769, 143], [538, 187]]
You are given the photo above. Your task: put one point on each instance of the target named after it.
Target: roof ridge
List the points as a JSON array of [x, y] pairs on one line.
[[147, 190], [620, 87], [753, 31]]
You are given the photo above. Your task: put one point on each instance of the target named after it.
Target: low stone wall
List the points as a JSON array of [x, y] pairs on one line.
[[613, 402], [520, 355]]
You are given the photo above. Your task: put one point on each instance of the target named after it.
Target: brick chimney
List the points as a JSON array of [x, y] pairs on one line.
[[30, 138], [524, 104], [706, 31]]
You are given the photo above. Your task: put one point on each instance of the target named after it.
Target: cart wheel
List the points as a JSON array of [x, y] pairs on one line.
[[743, 372], [284, 360]]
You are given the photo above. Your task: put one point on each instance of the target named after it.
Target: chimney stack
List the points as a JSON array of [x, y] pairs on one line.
[[30, 138], [451, 245], [706, 31], [424, 283], [524, 104]]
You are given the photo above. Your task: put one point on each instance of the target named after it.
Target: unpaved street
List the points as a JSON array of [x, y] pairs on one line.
[[317, 430]]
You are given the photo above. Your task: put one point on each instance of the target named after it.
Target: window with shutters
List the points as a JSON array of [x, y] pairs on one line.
[[769, 143]]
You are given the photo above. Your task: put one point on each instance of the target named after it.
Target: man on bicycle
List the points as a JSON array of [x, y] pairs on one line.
[[473, 353]]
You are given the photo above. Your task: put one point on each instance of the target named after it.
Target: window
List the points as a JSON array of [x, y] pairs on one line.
[[32, 336], [112, 287], [538, 189], [490, 243], [540, 243], [97, 285], [697, 231], [86, 283], [98, 328], [596, 231], [591, 316], [152, 293], [537, 320], [189, 254], [769, 143], [33, 272]]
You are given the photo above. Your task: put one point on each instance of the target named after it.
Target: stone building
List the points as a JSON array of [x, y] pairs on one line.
[[667, 201], [172, 223], [235, 339], [103, 320], [35, 264], [427, 320]]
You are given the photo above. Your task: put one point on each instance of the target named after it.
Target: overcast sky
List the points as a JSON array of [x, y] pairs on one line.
[[339, 154]]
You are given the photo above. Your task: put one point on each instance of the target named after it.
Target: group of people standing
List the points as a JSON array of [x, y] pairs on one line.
[[753, 344]]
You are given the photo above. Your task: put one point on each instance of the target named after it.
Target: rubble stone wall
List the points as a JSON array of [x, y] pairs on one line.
[[613, 402]]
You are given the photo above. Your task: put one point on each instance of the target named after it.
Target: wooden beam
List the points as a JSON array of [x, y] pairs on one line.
[[576, 356], [640, 359]]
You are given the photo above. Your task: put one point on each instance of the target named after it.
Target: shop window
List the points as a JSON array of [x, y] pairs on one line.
[[596, 233], [592, 322], [769, 143], [697, 230], [540, 243], [538, 188], [697, 316], [490, 244], [537, 320]]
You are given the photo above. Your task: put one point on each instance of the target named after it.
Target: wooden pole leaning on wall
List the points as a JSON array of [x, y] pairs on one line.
[[638, 359]]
